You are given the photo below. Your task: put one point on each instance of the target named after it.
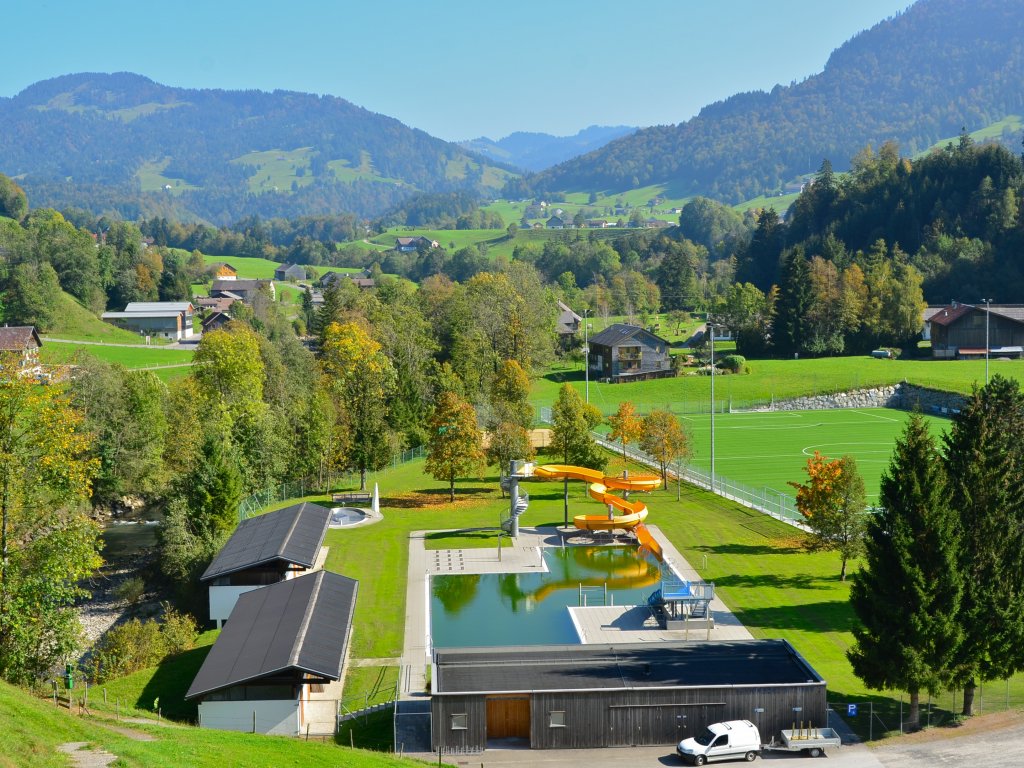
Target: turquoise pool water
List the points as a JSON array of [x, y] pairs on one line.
[[530, 608]]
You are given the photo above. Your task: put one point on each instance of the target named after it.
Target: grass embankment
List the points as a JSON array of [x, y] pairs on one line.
[[73, 321], [33, 729]]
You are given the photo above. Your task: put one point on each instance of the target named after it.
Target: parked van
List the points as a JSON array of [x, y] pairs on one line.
[[732, 740]]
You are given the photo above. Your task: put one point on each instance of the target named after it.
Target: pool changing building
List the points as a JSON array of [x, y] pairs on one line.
[[584, 696]]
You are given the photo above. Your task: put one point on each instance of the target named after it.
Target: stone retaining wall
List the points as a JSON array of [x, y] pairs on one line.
[[903, 396]]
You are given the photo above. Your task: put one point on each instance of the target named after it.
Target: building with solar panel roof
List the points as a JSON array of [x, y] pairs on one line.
[[265, 550]]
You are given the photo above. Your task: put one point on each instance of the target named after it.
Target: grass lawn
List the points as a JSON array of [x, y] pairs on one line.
[[57, 352], [773, 379], [771, 449], [33, 729]]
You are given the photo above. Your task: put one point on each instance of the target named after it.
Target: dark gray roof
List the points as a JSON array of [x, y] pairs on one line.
[[646, 665], [296, 626], [620, 333], [293, 535]]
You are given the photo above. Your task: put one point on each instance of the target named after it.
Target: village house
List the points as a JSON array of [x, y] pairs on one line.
[[624, 352], [277, 666], [164, 319], [408, 244], [960, 331], [555, 222], [242, 290], [222, 271], [289, 272], [567, 326], [25, 342], [264, 550], [215, 321], [361, 280]]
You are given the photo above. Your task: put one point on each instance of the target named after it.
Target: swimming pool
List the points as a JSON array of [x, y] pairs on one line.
[[531, 608]]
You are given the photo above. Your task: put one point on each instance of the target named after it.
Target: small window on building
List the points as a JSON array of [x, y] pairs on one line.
[[556, 719], [460, 722]]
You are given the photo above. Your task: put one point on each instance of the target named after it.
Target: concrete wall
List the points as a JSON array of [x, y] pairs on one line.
[[223, 599], [280, 718]]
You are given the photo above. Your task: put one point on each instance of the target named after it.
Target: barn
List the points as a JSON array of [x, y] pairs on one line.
[[586, 696]]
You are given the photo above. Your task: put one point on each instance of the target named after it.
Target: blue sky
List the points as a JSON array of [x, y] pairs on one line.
[[455, 69]]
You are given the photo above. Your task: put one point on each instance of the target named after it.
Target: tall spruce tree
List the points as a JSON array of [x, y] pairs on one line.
[[792, 332], [908, 595], [984, 462]]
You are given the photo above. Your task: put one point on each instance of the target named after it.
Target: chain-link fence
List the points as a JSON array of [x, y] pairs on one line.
[[777, 504], [878, 717], [255, 503]]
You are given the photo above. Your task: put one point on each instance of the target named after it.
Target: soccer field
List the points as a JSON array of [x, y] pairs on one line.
[[771, 449]]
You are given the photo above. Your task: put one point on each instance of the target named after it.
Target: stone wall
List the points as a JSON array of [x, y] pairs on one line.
[[903, 396]]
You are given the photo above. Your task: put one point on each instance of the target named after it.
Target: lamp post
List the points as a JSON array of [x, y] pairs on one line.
[[711, 331], [586, 354], [988, 314]]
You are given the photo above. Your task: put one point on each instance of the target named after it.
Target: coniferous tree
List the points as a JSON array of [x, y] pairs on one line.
[[984, 463], [907, 597], [792, 332]]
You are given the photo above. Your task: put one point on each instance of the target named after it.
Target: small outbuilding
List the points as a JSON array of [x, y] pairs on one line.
[[586, 696], [267, 549], [290, 272], [277, 666]]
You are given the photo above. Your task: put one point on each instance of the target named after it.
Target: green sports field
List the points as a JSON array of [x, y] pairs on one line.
[[771, 449]]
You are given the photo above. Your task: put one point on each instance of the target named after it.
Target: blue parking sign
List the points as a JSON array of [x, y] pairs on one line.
[[851, 710]]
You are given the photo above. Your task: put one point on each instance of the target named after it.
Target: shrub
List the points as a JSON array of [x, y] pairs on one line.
[[130, 590], [179, 631], [733, 364], [128, 648]]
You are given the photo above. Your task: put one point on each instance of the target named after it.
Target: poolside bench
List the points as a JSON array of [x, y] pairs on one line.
[[354, 497]]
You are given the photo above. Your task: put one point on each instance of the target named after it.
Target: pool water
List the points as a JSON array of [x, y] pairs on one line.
[[531, 608]]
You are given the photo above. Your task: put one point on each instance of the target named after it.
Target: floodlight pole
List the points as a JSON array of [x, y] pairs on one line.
[[586, 355], [711, 331], [988, 314]]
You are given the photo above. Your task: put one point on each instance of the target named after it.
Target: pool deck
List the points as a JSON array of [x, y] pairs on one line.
[[597, 624]]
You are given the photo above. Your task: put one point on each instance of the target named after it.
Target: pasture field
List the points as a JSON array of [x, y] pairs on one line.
[[156, 359], [780, 203], [73, 321], [771, 449]]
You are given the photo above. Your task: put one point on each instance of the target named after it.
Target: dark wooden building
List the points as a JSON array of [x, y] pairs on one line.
[[628, 353], [565, 697], [959, 330]]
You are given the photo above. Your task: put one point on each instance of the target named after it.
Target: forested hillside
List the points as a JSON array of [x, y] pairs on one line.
[[124, 143], [915, 79]]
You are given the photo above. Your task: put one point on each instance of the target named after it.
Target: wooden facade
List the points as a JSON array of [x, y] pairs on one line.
[[628, 715], [628, 353]]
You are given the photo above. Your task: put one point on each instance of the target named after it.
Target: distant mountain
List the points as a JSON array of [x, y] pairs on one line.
[[537, 151], [916, 79], [122, 142]]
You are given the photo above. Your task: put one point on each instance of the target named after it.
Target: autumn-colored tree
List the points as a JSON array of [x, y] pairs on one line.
[[47, 543], [508, 442], [626, 425], [663, 437], [362, 380], [454, 446], [510, 396], [832, 502]]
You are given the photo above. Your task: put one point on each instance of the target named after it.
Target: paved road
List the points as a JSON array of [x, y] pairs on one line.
[[189, 344]]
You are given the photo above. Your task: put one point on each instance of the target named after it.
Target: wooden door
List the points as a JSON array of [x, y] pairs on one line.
[[508, 718]]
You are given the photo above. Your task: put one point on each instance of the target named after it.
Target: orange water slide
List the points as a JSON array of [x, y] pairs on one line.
[[635, 511]]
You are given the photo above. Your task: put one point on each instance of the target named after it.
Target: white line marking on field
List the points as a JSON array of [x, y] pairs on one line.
[[886, 448], [875, 415]]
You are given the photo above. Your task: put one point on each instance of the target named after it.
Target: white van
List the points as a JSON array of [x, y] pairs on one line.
[[732, 740]]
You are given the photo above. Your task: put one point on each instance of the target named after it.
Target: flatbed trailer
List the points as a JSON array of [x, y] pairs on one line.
[[811, 741]]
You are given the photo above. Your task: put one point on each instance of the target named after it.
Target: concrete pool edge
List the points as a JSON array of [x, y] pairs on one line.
[[520, 556]]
